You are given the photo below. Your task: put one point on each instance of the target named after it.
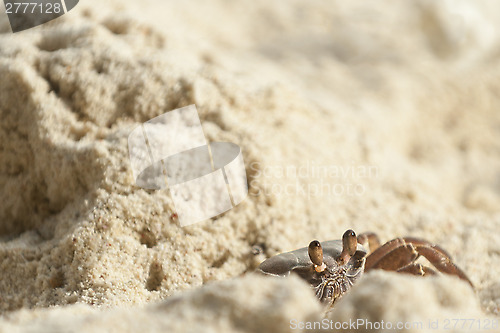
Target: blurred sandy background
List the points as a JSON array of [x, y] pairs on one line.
[[398, 100]]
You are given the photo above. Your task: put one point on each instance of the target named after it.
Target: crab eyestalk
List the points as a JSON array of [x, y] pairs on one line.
[[349, 246], [316, 255]]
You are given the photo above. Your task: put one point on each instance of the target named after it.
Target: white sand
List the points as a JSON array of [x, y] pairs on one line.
[[387, 111]]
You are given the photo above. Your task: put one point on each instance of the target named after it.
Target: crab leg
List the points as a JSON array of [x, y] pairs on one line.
[[371, 239], [400, 255], [437, 257], [392, 256], [417, 269]]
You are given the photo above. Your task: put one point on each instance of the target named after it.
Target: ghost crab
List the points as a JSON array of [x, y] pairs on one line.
[[333, 266]]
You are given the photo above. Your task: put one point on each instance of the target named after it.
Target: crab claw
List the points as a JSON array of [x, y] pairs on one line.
[[349, 246], [316, 255]]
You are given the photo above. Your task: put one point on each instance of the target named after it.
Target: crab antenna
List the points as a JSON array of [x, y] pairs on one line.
[[349, 246], [316, 255]]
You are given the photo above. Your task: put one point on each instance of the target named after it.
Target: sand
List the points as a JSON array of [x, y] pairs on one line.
[[377, 117]]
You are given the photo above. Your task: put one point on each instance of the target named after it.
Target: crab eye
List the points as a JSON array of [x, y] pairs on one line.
[[349, 242], [316, 253]]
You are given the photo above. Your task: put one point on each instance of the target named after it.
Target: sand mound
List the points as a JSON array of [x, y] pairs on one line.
[[257, 304], [348, 116]]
